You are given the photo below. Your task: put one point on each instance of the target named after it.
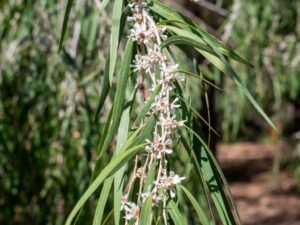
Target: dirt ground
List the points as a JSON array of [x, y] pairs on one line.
[[262, 196]]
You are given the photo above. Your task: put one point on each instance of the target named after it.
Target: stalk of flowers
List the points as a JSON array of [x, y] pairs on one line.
[[151, 62]]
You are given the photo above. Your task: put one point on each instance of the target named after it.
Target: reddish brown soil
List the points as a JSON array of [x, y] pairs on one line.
[[262, 197]]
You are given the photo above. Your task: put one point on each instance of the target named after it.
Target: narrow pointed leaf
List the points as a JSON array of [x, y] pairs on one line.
[[104, 91], [114, 39], [200, 212], [118, 179], [182, 40], [120, 95], [146, 107], [102, 201], [175, 213], [65, 24], [227, 69], [212, 167], [145, 218], [109, 170], [201, 78], [219, 62], [173, 16]]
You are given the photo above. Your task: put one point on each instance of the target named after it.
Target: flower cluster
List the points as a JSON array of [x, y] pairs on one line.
[[170, 182], [152, 63]]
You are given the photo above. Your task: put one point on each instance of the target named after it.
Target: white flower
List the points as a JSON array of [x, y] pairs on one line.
[[161, 33], [139, 33], [155, 198], [161, 104], [155, 55], [170, 182], [170, 74], [142, 33], [141, 63], [137, 4], [124, 201], [132, 211], [159, 146], [175, 179], [170, 123], [151, 35], [174, 105], [136, 18], [154, 64]]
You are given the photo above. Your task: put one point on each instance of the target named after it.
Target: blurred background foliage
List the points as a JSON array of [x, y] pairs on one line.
[[47, 100], [267, 34]]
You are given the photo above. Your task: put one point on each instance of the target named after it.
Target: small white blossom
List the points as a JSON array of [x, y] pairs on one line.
[[141, 63], [170, 74], [143, 34], [161, 33], [151, 35], [170, 123], [155, 198], [161, 104], [136, 18], [170, 182], [132, 211], [137, 4], [155, 55], [175, 179], [139, 33], [174, 105], [159, 146]]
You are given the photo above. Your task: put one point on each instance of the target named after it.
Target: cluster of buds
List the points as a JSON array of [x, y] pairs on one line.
[[152, 63]]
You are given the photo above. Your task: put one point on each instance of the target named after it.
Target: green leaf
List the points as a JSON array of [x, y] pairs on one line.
[[226, 68], [120, 96], [201, 78], [145, 218], [107, 219], [196, 160], [182, 40], [102, 201], [200, 212], [198, 114], [146, 132], [104, 91], [173, 16], [150, 178], [102, 6], [108, 171], [175, 213], [65, 24], [122, 137], [106, 129], [93, 25], [114, 39], [146, 107], [118, 179], [219, 62], [213, 176]]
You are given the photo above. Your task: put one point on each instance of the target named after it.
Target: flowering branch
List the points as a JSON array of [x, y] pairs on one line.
[[152, 62]]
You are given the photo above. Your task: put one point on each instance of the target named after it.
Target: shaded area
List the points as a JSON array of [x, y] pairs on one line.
[[263, 198]]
